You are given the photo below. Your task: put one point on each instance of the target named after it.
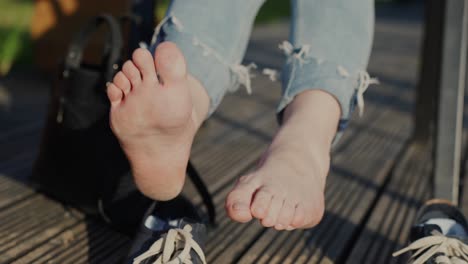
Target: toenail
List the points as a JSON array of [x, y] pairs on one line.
[[289, 228], [267, 223], [279, 226], [240, 206]]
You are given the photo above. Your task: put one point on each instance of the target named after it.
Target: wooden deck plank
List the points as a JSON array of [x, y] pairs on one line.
[[20, 226], [73, 236], [387, 228], [34, 233], [109, 245], [12, 192], [385, 213], [417, 192]]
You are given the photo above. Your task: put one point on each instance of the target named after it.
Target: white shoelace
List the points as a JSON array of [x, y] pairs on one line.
[[364, 81], [173, 248], [453, 250]]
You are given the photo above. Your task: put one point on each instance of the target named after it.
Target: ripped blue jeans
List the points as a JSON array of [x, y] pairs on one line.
[[329, 47]]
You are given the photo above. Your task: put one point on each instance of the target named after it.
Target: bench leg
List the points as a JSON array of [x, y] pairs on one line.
[[429, 76], [450, 102]]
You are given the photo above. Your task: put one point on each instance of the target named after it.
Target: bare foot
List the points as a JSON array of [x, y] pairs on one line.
[[155, 119], [287, 189]]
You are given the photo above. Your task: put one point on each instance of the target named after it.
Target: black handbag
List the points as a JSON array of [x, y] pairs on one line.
[[80, 161]]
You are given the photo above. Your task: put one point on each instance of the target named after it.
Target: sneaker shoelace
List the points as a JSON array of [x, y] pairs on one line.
[[450, 250], [173, 248]]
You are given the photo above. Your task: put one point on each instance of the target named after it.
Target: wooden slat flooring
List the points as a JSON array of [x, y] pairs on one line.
[[388, 226]]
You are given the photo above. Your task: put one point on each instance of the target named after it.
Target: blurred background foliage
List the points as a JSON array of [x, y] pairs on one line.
[[15, 16], [272, 10], [15, 42]]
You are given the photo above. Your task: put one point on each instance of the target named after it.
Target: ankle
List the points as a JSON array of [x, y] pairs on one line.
[[314, 115]]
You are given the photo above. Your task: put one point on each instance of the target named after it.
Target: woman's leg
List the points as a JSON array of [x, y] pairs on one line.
[[159, 103], [323, 78]]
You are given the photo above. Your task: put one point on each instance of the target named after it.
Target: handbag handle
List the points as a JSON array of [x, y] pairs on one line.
[[113, 46]]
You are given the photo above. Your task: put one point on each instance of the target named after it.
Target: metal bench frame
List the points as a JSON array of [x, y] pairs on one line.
[[440, 94]]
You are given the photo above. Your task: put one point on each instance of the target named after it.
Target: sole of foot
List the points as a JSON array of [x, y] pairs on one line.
[[153, 117]]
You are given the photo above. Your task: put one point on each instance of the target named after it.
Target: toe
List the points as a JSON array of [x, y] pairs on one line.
[[286, 215], [122, 82], [170, 63], [298, 220], [273, 212], [239, 200], [132, 73], [115, 94], [143, 60], [313, 216], [261, 203]]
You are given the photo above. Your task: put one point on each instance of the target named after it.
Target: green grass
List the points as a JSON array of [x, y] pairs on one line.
[[15, 42], [271, 11]]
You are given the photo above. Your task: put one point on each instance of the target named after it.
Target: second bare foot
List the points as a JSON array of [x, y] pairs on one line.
[[286, 191]]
